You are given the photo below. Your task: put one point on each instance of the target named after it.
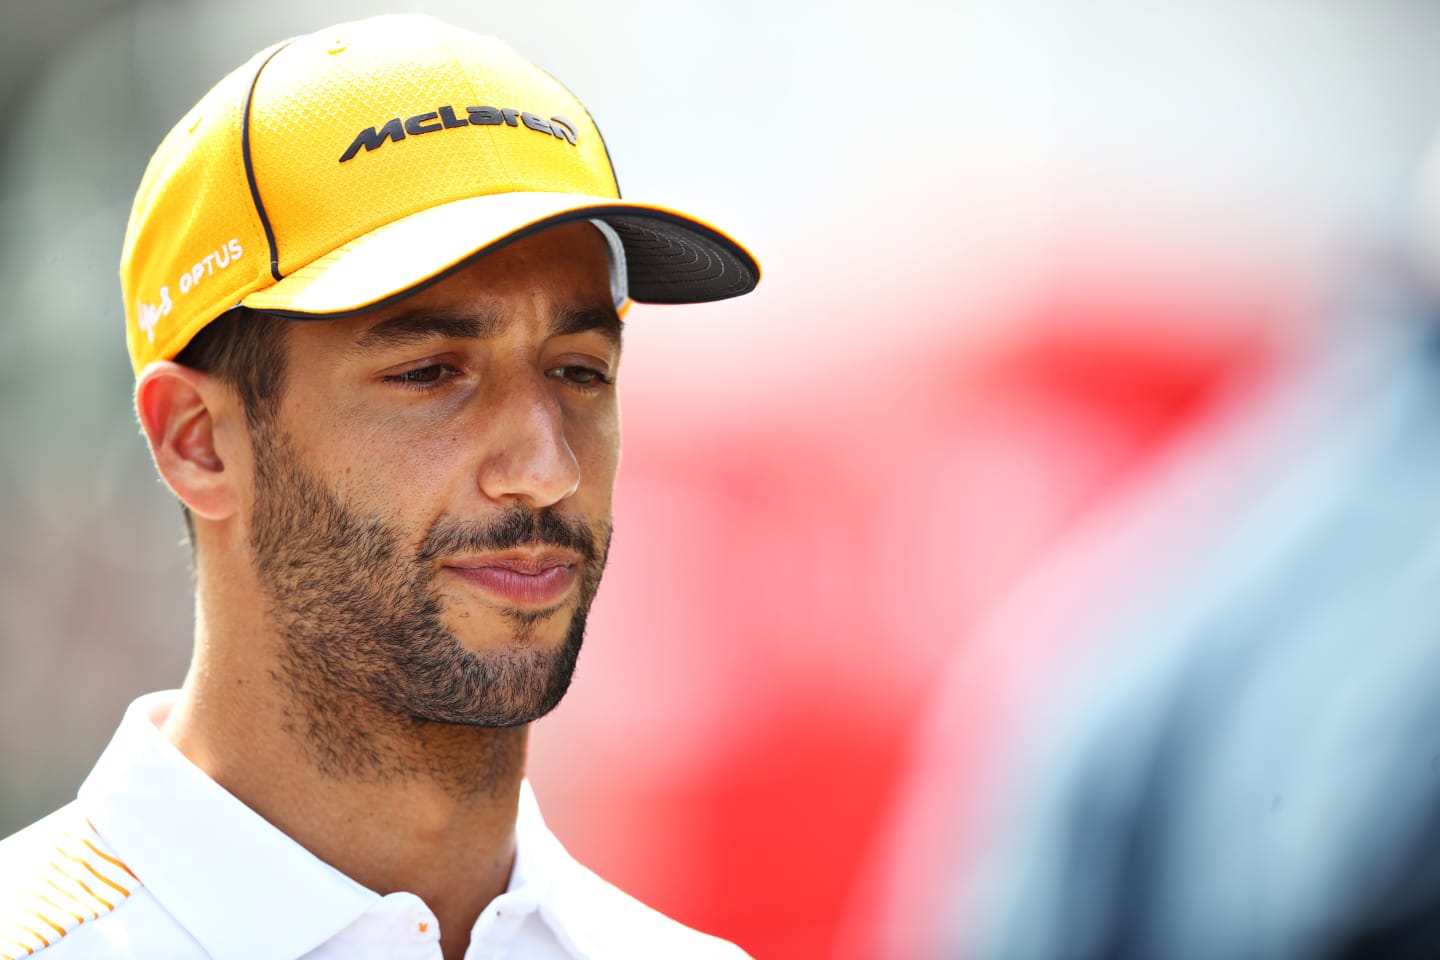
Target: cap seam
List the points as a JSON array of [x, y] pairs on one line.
[[475, 97], [614, 177], [250, 166]]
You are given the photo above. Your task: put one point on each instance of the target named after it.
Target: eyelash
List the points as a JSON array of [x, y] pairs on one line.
[[407, 380], [597, 380]]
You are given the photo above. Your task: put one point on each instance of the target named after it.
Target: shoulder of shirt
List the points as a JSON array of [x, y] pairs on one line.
[[614, 925], [56, 876]]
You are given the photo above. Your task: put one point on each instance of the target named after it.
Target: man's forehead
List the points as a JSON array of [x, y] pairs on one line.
[[421, 323], [563, 271]]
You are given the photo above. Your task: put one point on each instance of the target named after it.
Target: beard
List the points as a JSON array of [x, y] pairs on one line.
[[365, 649]]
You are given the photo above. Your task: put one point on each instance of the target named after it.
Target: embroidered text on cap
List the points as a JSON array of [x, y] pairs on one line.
[[444, 118]]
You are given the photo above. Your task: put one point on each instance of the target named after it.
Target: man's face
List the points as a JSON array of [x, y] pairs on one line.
[[431, 508]]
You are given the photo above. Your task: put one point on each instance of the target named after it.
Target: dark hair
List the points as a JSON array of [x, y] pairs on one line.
[[245, 350]]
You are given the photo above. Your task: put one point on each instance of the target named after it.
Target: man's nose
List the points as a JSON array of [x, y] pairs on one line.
[[527, 457]]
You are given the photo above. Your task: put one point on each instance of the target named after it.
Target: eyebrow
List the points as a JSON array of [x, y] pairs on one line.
[[409, 328], [419, 327], [605, 322]]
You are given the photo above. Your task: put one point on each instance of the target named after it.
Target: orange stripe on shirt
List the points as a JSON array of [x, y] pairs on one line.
[[97, 874], [26, 947], [48, 922], [103, 854], [23, 946], [41, 896], [83, 905], [33, 933], [83, 885]]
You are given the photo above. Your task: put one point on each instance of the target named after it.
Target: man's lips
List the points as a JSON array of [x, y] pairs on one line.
[[520, 579]]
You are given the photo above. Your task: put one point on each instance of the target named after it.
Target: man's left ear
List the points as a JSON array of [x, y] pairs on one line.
[[178, 409]]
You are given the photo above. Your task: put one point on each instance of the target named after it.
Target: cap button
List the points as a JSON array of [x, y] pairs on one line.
[[338, 46]]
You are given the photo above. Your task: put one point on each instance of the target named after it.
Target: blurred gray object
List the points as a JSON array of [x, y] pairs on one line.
[[1252, 768]]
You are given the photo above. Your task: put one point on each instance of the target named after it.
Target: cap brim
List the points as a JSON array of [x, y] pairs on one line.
[[670, 256]]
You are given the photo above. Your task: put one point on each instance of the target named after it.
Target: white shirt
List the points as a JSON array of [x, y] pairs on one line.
[[156, 860]]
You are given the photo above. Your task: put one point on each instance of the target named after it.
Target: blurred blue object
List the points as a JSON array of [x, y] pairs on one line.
[[1252, 766]]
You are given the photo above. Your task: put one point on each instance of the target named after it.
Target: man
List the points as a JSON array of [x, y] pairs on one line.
[[373, 285]]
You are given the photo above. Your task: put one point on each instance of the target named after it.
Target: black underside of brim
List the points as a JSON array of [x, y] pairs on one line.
[[670, 261]]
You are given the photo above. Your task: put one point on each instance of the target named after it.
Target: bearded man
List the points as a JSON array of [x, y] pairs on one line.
[[374, 283]]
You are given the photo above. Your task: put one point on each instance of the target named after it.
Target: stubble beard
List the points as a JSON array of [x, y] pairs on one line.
[[379, 688]]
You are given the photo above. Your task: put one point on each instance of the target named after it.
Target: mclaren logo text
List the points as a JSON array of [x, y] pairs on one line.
[[446, 118]]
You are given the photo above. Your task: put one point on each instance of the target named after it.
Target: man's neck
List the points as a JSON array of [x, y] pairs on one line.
[[432, 812]]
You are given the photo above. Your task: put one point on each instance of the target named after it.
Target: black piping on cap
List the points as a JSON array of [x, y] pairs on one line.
[[250, 166]]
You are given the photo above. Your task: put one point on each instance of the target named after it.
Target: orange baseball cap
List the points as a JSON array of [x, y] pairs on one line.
[[339, 171]]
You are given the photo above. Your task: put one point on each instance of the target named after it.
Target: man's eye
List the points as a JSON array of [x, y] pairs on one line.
[[580, 376], [423, 376]]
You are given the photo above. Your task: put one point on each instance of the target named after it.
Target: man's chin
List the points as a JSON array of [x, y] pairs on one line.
[[513, 630], [517, 681]]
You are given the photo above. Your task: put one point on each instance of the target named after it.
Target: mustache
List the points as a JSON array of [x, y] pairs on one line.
[[517, 528]]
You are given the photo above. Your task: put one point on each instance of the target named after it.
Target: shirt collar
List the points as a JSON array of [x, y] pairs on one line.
[[530, 875], [171, 823], [581, 910], [590, 917]]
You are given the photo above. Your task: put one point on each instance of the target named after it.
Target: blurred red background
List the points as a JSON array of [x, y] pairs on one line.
[[784, 587]]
